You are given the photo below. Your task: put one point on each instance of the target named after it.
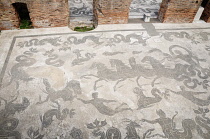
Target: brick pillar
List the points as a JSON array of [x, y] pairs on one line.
[[43, 13], [206, 13], [111, 11], [50, 13], [8, 16], [178, 11]]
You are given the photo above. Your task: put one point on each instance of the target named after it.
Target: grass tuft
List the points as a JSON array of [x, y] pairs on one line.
[[25, 24], [83, 29]]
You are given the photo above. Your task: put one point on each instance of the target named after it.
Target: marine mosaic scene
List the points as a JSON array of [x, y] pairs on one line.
[[151, 81]]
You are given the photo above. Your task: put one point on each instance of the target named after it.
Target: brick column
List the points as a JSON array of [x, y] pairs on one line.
[[51, 13], [111, 11], [178, 11], [43, 13], [8, 16], [206, 13]]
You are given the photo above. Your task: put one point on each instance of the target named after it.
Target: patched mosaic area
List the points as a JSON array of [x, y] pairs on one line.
[[127, 84]]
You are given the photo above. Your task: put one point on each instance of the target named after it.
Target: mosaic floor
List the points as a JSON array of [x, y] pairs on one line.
[[148, 81]]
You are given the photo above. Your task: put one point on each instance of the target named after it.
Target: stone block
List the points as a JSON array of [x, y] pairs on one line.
[[147, 17]]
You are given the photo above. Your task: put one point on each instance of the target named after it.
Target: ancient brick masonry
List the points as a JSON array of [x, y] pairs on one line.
[[111, 11], [178, 11], [43, 13], [8, 16], [206, 14]]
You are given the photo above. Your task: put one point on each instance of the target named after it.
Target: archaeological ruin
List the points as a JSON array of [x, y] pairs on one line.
[[104, 69], [72, 13]]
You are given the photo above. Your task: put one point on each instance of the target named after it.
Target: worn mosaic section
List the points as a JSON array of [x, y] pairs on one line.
[[107, 85]]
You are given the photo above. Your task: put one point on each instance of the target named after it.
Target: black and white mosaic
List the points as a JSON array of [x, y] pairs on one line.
[[108, 85]]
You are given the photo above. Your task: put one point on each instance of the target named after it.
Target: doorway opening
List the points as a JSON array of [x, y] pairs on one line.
[[23, 14], [204, 3], [81, 15], [142, 11]]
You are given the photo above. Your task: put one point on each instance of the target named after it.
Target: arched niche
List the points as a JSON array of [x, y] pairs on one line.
[[22, 13]]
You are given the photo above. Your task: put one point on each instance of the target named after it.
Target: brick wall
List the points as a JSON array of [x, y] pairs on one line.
[[8, 20], [43, 13], [111, 11], [206, 13], [178, 11]]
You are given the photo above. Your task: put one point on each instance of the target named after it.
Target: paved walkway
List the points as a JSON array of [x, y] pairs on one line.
[[118, 81]]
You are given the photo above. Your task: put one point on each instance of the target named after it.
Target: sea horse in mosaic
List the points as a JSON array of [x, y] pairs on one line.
[[122, 69], [103, 74], [17, 72], [172, 73]]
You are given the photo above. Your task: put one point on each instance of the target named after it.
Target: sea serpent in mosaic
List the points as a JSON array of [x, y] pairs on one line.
[[36, 42]]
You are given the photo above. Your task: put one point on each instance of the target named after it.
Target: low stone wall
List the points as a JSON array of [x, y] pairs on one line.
[[206, 13], [178, 11], [50, 13]]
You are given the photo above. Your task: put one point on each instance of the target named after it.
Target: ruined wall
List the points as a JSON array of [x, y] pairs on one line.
[[206, 13], [111, 11], [43, 13], [178, 11], [8, 16]]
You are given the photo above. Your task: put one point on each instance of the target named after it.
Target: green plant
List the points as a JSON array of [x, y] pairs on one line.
[[25, 24], [83, 29]]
